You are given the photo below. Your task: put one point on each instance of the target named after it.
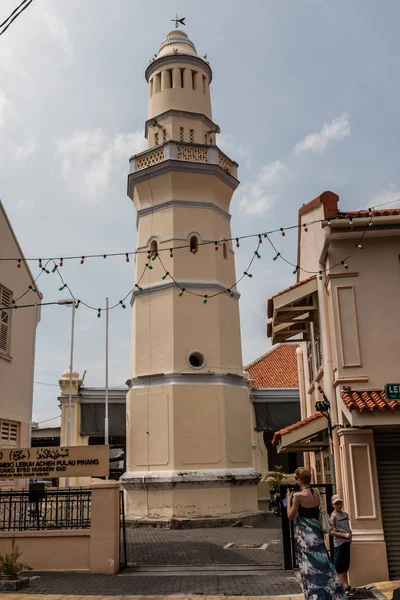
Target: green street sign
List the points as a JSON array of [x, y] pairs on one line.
[[392, 391]]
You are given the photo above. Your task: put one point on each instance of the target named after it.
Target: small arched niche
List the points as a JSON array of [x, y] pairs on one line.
[[194, 244], [225, 250], [153, 248]]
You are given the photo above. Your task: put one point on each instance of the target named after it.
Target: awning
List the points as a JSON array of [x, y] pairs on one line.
[[308, 435], [291, 310]]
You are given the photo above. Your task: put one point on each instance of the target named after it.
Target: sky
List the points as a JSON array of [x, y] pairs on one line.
[[305, 93]]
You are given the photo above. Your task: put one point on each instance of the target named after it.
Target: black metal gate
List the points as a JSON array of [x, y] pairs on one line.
[[289, 547], [123, 560]]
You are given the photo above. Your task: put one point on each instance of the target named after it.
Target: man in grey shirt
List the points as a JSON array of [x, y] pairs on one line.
[[341, 534]]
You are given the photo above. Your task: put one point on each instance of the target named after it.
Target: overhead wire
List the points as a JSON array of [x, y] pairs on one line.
[[10, 20]]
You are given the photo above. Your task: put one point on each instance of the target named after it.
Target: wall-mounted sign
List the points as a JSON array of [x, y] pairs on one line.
[[392, 391], [40, 463]]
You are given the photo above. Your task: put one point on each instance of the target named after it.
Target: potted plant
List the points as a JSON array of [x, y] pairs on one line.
[[10, 567], [275, 478]]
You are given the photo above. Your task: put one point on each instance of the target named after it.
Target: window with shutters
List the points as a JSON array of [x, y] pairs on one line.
[[318, 345], [310, 362], [5, 320], [8, 433]]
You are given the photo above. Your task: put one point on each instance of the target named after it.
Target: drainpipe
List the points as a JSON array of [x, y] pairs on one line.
[[302, 391], [328, 361]]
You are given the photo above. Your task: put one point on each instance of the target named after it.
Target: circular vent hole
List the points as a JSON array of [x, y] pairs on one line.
[[196, 359]]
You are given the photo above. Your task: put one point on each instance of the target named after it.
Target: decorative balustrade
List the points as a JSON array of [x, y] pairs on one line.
[[187, 152]]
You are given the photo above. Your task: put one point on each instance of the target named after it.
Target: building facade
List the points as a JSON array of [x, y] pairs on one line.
[[189, 450], [274, 393], [347, 316], [17, 343]]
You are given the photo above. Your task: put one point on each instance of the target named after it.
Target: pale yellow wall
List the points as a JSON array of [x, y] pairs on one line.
[[162, 98], [366, 311], [16, 370], [189, 427], [311, 241]]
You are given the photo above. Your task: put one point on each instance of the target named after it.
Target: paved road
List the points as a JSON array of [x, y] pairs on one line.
[[80, 584], [202, 547]]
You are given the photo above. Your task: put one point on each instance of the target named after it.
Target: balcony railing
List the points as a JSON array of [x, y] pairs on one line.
[[183, 151]]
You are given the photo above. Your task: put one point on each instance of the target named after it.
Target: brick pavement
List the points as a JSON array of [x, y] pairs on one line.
[[202, 547], [274, 583]]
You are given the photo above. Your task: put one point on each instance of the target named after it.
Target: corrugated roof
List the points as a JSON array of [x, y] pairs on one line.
[[275, 369]]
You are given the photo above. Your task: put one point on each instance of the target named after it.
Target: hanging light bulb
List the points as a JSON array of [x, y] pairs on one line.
[[77, 304], [98, 313], [296, 269], [54, 269], [359, 246], [82, 260], [181, 292], [138, 287], [276, 256], [205, 299], [122, 304], [155, 256], [305, 227], [320, 275], [40, 263], [62, 287], [257, 254], [351, 223], [19, 264], [346, 266], [248, 274], [171, 253], [216, 246], [259, 238], [149, 266], [165, 276], [232, 295], [33, 289], [237, 243], [126, 257], [61, 262], [45, 270], [282, 232]]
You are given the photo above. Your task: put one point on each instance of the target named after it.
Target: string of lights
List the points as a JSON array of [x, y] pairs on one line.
[[153, 255]]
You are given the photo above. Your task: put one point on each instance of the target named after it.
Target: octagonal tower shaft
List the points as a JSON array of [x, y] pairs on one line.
[[188, 412]]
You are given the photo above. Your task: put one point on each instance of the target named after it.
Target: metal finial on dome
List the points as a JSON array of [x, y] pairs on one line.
[[178, 22]]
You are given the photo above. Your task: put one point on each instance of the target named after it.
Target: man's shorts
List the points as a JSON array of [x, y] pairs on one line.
[[342, 557]]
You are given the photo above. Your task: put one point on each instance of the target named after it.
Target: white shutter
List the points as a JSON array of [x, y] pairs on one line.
[[8, 433], [5, 320]]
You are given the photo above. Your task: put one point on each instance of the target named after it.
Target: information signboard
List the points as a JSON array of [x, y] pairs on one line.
[[43, 463], [392, 391]]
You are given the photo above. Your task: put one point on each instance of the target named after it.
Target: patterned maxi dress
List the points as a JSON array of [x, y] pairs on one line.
[[318, 574]]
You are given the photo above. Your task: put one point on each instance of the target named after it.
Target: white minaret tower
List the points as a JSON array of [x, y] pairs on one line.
[[188, 412]]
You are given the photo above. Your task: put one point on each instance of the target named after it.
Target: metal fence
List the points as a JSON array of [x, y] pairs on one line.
[[51, 509]]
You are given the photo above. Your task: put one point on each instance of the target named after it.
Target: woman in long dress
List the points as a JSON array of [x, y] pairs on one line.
[[318, 574]]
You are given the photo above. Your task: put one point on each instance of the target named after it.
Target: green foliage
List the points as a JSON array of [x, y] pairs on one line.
[[275, 478], [9, 564]]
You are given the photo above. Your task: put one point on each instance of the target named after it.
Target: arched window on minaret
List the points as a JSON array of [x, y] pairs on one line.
[[194, 244], [153, 248], [225, 250]]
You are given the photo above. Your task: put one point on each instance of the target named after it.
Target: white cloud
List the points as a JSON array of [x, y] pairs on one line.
[[236, 151], [256, 197], [25, 150], [56, 27], [8, 62], [389, 196], [4, 107], [317, 142], [91, 157]]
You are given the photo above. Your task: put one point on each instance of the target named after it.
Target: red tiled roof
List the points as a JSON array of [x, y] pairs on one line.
[[276, 369], [362, 214], [281, 432], [368, 401]]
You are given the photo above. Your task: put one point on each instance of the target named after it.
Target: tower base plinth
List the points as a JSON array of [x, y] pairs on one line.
[[211, 493]]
